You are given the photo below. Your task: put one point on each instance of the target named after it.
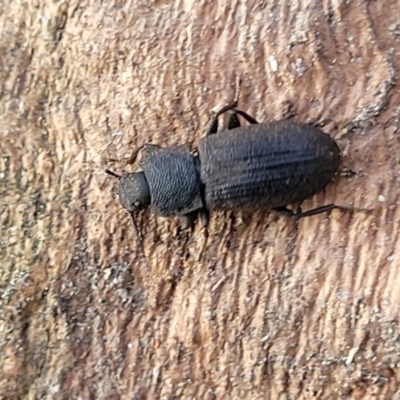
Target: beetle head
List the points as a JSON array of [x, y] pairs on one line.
[[134, 192]]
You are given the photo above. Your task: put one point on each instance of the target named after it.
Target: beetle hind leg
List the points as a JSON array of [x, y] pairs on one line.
[[231, 121], [285, 211], [213, 125], [315, 211], [300, 214]]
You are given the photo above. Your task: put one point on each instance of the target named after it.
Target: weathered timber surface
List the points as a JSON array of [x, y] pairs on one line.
[[263, 308]]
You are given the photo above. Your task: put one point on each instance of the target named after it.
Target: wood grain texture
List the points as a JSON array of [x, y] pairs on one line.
[[262, 307]]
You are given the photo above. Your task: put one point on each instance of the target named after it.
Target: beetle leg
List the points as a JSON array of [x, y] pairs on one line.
[[204, 215], [300, 214], [107, 171], [285, 211], [148, 147], [231, 120], [315, 211], [213, 125], [132, 158], [187, 221], [246, 116], [331, 207]]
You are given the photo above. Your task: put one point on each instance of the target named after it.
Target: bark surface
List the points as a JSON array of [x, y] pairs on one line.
[[262, 307]]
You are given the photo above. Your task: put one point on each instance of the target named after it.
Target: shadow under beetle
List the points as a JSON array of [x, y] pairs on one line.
[[259, 166]]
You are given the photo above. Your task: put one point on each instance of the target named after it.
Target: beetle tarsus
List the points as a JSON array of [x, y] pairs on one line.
[[298, 214], [315, 211]]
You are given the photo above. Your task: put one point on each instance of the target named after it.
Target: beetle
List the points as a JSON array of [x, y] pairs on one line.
[[268, 166]]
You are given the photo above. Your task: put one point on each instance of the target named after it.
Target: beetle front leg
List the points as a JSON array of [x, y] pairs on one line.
[[315, 211], [148, 147], [132, 158]]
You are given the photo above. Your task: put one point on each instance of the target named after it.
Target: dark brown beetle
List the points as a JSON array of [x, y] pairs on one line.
[[260, 166]]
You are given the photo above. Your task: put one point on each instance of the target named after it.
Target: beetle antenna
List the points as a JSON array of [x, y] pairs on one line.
[[140, 240], [107, 171]]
